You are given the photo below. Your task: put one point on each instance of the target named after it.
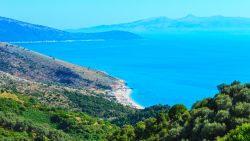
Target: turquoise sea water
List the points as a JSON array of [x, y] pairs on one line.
[[171, 69]]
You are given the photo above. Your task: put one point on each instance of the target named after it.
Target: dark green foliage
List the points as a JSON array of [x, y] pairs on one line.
[[140, 115], [126, 133], [36, 132], [11, 106], [207, 120], [211, 130], [203, 103], [81, 126], [30, 120], [176, 111], [9, 135], [98, 106]]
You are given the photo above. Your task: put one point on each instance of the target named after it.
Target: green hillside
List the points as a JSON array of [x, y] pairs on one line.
[[24, 118], [207, 120], [225, 117], [58, 84]]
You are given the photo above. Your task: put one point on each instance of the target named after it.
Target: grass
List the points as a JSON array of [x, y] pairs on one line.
[[10, 96]]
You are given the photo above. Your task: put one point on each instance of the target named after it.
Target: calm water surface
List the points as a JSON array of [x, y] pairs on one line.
[[168, 70]]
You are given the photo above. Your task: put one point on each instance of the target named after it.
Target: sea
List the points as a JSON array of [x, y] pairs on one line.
[[162, 69]]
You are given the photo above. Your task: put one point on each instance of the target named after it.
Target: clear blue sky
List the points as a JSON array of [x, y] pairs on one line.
[[65, 14]]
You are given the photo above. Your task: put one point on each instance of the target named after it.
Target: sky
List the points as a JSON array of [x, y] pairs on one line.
[[67, 14]]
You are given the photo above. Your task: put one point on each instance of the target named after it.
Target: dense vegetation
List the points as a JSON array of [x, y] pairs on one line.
[[225, 117], [140, 115], [98, 106], [23, 118], [208, 119], [241, 133]]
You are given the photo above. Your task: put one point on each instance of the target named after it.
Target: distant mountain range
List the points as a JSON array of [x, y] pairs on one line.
[[164, 24], [12, 31]]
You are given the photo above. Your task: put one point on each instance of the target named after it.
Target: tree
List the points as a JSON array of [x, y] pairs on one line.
[[241, 133], [176, 111], [244, 95], [222, 116], [223, 102], [126, 133], [241, 109], [212, 130], [140, 129]]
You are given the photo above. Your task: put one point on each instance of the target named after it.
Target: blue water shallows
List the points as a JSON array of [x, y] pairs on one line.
[[168, 70]]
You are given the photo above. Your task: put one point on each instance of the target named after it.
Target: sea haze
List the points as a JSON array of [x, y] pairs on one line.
[[169, 69]]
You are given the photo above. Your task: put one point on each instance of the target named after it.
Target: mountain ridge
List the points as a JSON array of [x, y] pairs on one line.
[[164, 24], [17, 31], [18, 61], [58, 83]]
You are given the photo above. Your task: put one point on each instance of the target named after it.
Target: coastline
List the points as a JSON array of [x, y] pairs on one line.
[[122, 93], [55, 41]]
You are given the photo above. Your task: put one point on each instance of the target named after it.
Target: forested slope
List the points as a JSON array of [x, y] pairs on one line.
[[208, 119]]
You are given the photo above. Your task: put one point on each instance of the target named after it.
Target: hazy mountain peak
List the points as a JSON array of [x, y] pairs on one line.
[[151, 20], [190, 16], [17, 31], [188, 23]]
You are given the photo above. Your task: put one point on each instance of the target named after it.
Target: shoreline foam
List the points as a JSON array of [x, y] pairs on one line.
[[122, 93]]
